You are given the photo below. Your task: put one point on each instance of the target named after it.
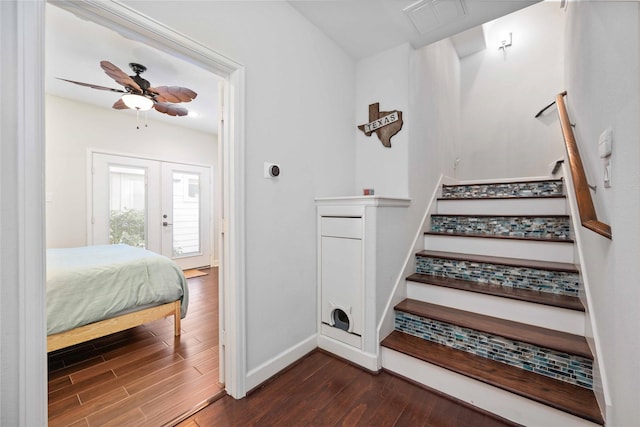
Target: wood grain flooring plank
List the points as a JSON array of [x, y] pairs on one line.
[[58, 383], [76, 387], [83, 411], [225, 412], [389, 402], [98, 418], [305, 399], [145, 366], [163, 409], [124, 380], [80, 423], [364, 400], [344, 402], [134, 365], [111, 364], [67, 370], [140, 385], [59, 407], [133, 417]]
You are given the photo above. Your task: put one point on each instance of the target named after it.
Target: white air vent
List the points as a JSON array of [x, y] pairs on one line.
[[428, 15]]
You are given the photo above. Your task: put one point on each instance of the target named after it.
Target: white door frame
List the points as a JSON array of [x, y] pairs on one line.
[[135, 25], [23, 371], [23, 367]]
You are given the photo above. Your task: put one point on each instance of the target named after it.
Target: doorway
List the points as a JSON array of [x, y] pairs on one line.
[[157, 205], [231, 161]]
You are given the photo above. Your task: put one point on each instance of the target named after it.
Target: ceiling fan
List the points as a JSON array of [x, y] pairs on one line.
[[138, 93]]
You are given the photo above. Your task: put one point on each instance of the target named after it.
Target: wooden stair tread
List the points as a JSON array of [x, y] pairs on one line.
[[492, 236], [542, 337], [566, 397], [511, 262], [536, 297]]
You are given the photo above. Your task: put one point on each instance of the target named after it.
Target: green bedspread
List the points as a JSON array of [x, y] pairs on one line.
[[92, 283]]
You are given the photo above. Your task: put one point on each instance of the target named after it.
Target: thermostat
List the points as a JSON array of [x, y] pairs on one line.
[[271, 170]]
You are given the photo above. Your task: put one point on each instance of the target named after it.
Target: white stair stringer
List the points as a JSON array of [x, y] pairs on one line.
[[539, 250], [513, 206], [561, 319], [479, 394]]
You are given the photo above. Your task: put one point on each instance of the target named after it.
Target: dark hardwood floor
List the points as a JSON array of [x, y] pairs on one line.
[[321, 390], [144, 376]]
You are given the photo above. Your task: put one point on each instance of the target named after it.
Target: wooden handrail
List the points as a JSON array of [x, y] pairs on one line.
[[587, 211]]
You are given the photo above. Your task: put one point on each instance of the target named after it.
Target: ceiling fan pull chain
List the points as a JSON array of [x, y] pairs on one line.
[[137, 119]]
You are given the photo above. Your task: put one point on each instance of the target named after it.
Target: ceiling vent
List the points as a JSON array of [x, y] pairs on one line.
[[428, 15]]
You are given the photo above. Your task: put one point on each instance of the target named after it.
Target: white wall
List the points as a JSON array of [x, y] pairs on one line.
[[383, 78], [425, 85], [435, 129], [500, 96], [603, 85], [73, 128], [300, 114]]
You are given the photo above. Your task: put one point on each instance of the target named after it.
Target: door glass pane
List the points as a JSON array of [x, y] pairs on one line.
[[127, 205], [186, 213]]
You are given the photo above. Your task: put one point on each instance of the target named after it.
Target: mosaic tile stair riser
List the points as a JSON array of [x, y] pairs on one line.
[[556, 282], [561, 366], [551, 227], [522, 189]]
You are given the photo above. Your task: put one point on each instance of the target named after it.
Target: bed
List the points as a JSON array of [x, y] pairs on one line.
[[94, 291]]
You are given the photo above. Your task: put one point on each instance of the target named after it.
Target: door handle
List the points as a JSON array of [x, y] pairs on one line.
[[165, 224]]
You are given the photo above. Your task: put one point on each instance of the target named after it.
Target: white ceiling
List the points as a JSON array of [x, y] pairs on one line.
[[75, 47], [366, 27]]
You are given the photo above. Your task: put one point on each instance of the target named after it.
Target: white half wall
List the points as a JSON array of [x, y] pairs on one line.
[[501, 92], [72, 128]]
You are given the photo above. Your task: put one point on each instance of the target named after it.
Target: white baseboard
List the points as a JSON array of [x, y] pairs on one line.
[[495, 400], [366, 360], [257, 376]]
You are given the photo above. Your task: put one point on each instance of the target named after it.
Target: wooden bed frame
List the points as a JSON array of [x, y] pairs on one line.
[[115, 324]]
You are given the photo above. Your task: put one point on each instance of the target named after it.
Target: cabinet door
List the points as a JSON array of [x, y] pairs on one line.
[[342, 279]]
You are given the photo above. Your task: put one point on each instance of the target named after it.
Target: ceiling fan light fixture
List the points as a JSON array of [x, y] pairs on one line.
[[137, 102]]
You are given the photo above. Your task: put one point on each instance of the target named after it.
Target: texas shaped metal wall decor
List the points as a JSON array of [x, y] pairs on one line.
[[385, 124]]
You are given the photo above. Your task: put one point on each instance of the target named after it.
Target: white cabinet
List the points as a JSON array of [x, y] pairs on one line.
[[358, 258], [341, 281]]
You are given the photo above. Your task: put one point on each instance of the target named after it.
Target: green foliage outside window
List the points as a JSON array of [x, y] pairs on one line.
[[127, 226]]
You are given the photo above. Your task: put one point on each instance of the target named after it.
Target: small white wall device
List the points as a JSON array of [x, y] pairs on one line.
[[604, 151], [271, 170]]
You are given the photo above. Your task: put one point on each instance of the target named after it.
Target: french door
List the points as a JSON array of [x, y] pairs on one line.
[[161, 206]]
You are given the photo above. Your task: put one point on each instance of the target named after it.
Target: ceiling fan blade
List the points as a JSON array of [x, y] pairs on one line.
[[93, 86], [172, 93], [120, 105], [119, 76], [170, 109]]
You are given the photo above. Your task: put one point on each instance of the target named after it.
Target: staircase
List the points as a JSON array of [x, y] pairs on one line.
[[492, 314]]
